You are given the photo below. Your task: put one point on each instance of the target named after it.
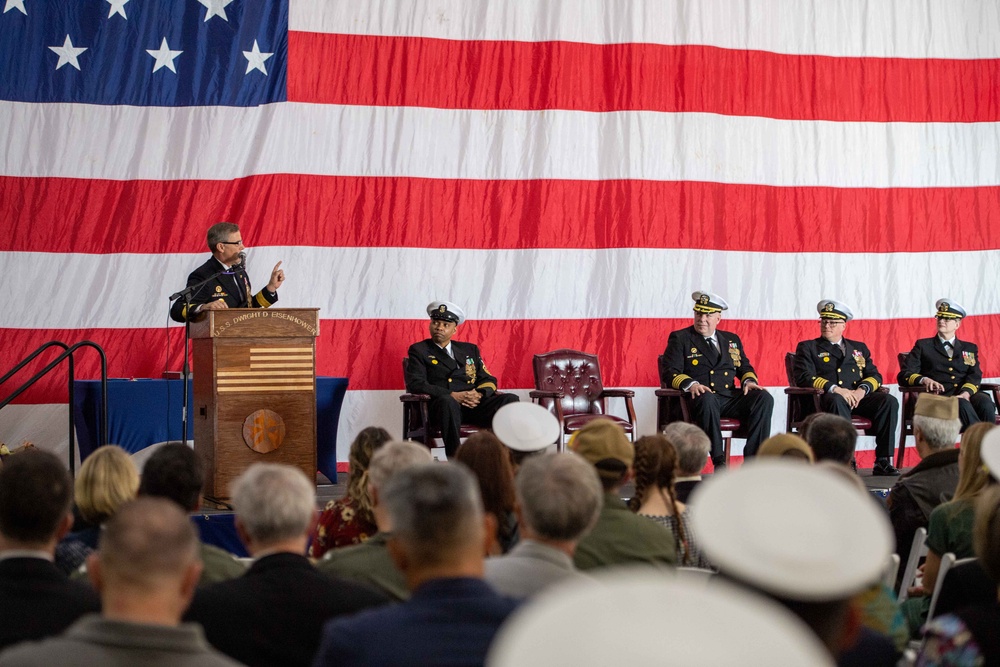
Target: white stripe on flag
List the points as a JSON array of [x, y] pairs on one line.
[[887, 28], [351, 283], [93, 141]]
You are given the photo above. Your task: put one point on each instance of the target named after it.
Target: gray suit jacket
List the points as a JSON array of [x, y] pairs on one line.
[[94, 640], [528, 568]]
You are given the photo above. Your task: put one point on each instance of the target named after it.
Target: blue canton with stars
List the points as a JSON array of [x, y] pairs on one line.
[[144, 52]]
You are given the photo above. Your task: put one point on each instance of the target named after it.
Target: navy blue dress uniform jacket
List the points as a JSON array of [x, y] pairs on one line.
[[690, 357], [819, 363], [431, 371], [928, 358], [446, 622], [234, 289]]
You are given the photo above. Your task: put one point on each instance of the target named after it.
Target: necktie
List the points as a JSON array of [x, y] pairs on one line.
[[715, 348], [948, 348]]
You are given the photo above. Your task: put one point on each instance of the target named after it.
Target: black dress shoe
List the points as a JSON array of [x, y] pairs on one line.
[[884, 468]]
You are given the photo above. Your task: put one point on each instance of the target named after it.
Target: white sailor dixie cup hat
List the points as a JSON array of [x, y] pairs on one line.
[[445, 311]]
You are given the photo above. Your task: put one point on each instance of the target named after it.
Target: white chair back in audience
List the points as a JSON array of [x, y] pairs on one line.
[[891, 570], [948, 561], [917, 551]]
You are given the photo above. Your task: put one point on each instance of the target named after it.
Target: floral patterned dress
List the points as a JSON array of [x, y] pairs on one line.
[[341, 524]]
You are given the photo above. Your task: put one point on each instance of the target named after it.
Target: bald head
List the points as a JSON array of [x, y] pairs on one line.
[[147, 543]]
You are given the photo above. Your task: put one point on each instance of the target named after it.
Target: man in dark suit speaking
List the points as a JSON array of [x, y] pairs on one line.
[[230, 287], [706, 362], [454, 375]]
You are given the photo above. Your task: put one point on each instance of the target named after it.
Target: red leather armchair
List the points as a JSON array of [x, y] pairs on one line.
[[568, 383]]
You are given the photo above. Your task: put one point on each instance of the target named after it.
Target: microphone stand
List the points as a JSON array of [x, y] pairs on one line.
[[186, 294]]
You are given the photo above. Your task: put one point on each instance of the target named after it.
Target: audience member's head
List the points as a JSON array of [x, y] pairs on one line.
[[655, 468], [831, 437], [35, 499], [986, 532], [275, 507], [438, 522], [787, 445], [107, 480], [489, 461], [604, 445], [391, 458], [174, 472], [559, 496], [799, 534], [973, 476], [692, 447], [935, 423], [147, 565], [525, 429], [807, 422], [367, 442]]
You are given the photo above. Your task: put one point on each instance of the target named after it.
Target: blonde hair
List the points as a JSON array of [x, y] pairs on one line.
[[107, 480], [973, 476]]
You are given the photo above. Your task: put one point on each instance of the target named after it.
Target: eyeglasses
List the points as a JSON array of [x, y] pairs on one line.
[[240, 242], [830, 323]]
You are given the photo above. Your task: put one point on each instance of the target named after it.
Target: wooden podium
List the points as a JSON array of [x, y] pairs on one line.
[[254, 391]]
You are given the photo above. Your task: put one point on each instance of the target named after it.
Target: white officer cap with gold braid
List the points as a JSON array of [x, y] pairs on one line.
[[831, 309], [445, 311], [948, 309], [706, 302]]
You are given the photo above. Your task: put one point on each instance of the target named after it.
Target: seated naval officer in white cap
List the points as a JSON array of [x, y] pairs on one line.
[[462, 390], [642, 617], [805, 537], [525, 429], [707, 362], [948, 366], [846, 373]]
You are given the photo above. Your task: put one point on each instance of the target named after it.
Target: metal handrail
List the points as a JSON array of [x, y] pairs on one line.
[[66, 354]]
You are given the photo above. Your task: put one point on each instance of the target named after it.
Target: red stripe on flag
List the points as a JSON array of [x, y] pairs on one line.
[[73, 215], [370, 352], [458, 74]]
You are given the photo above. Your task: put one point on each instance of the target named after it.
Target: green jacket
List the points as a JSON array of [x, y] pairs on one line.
[[621, 537], [368, 563]]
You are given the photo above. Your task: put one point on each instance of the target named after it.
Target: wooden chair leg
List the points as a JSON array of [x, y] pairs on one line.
[[727, 443], [901, 449]]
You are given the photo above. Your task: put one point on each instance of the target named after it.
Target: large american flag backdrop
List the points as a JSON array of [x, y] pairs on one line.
[[569, 172]]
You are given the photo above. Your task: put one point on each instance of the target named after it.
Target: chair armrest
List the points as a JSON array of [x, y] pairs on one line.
[[414, 398], [803, 391], [912, 390], [667, 393], [988, 386], [617, 393], [883, 389], [545, 393]]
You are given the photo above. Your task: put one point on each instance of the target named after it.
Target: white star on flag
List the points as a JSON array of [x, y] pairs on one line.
[[68, 53], [117, 7], [12, 4], [215, 8], [164, 56], [255, 59]]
